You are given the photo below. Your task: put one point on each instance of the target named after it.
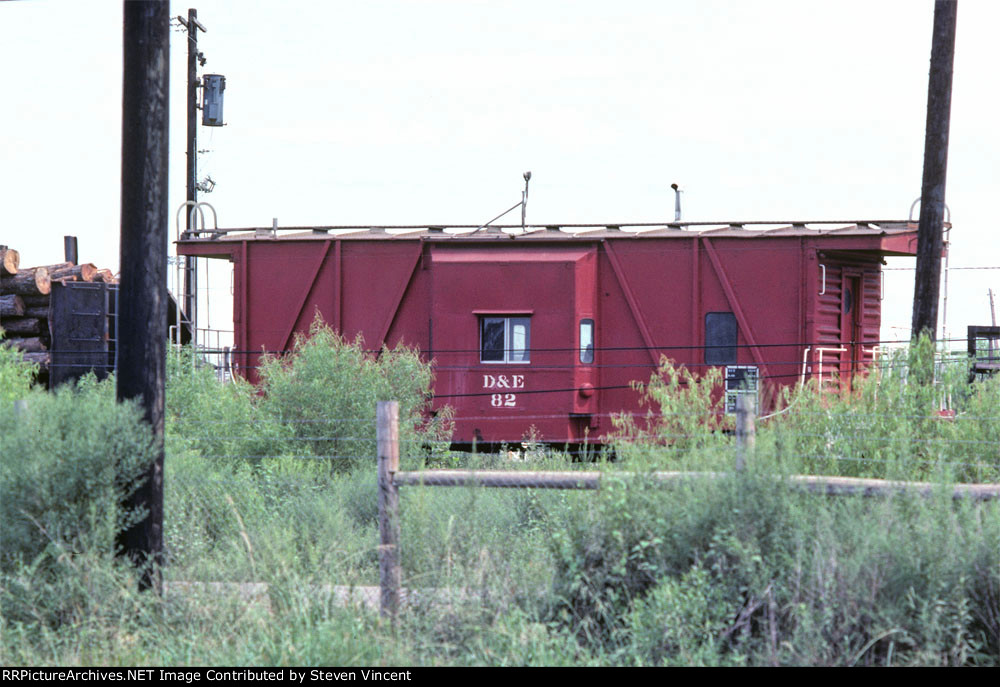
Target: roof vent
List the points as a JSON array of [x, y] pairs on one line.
[[677, 202]]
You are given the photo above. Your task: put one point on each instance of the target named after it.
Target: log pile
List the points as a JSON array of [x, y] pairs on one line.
[[25, 307]]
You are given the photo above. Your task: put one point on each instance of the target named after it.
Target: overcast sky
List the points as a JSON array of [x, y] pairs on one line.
[[423, 112]]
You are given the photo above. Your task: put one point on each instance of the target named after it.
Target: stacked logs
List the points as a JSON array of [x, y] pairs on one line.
[[25, 307]]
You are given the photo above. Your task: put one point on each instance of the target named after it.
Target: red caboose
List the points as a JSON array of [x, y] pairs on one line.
[[547, 328]]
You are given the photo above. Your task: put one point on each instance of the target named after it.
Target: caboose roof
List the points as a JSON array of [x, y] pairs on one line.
[[891, 237]]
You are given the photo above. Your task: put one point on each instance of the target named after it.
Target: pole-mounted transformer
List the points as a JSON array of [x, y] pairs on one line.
[[213, 86]]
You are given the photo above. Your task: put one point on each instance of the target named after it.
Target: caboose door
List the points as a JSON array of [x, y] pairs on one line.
[[851, 333]]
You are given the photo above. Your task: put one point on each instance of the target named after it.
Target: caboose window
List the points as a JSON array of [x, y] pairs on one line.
[[720, 338], [505, 340], [586, 341], [491, 339]]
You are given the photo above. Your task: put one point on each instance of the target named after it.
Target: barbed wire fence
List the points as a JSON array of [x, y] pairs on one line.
[[495, 517], [391, 478]]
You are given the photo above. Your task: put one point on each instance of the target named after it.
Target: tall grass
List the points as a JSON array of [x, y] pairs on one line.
[[892, 426], [744, 570], [264, 485]]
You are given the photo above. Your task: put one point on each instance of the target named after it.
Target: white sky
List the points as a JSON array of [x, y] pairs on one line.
[[392, 112]]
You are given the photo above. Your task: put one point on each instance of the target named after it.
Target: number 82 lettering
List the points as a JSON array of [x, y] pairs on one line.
[[503, 400]]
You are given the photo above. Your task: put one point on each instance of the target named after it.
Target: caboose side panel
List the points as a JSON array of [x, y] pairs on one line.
[[359, 288], [754, 283], [715, 302], [381, 283], [628, 275]]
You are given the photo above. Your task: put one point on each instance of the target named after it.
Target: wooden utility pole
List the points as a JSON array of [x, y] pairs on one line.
[[387, 440], [930, 232], [142, 296], [191, 265]]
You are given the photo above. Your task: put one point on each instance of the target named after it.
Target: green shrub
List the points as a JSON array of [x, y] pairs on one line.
[[221, 421], [318, 402], [634, 533], [326, 390], [16, 375], [66, 463], [682, 621], [685, 424], [746, 570]]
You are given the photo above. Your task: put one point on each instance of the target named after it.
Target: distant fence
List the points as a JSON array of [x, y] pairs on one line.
[[390, 478]]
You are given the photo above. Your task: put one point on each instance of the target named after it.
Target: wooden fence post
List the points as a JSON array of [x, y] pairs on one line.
[[387, 438], [746, 428]]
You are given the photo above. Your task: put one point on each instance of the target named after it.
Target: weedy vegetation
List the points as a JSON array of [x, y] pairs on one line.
[[272, 490]]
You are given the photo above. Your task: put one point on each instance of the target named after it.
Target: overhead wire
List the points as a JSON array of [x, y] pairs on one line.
[[606, 349]]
